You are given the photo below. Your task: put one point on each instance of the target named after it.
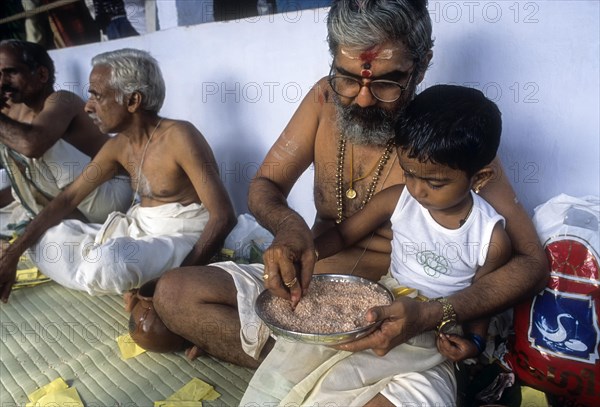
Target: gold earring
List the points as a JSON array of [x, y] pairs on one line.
[[477, 188]]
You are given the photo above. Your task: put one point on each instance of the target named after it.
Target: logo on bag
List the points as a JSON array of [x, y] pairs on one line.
[[571, 335], [563, 316]]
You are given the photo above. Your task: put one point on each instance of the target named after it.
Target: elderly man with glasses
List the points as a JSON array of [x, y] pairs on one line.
[[381, 50]]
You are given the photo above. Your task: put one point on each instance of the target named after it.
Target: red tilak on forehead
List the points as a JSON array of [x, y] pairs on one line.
[[369, 55]]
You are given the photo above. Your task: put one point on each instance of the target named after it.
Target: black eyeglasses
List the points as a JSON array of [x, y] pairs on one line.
[[382, 89]]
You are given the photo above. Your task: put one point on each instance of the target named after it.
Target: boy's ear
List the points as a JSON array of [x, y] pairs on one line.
[[134, 101], [482, 177]]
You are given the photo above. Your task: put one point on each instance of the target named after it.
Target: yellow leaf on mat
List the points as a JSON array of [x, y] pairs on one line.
[[53, 386], [128, 347], [29, 278], [55, 393], [167, 403], [195, 390]]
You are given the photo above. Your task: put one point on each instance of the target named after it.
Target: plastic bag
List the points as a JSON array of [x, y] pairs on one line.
[[556, 343], [248, 240]]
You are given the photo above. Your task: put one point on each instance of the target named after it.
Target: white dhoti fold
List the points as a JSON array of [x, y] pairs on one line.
[[301, 374], [35, 181], [249, 284], [124, 252]]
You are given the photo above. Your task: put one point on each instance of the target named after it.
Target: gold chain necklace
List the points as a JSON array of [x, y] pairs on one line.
[[139, 174], [340, 176], [351, 192]]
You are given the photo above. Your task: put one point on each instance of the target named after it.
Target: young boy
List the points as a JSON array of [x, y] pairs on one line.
[[444, 235]]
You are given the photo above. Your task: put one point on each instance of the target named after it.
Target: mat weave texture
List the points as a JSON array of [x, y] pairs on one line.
[[49, 331]]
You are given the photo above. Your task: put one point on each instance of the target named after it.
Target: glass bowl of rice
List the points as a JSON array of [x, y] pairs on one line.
[[331, 312]]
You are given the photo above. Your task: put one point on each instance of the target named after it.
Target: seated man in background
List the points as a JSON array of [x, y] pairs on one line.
[[344, 126], [46, 140], [184, 212]]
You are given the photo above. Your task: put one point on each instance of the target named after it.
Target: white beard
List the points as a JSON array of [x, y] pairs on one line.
[[365, 126]]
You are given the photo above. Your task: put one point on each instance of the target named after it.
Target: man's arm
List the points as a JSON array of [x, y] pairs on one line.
[[50, 125], [196, 158], [104, 164], [287, 159], [5, 197], [524, 275]]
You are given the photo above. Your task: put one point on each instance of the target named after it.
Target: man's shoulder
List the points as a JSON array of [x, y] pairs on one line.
[[176, 126], [180, 133], [64, 98], [322, 91], [318, 102]]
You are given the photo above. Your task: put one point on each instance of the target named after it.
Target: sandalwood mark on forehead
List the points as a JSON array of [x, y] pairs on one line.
[[369, 55]]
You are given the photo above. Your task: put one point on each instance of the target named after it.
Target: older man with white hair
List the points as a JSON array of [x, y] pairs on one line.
[[184, 212]]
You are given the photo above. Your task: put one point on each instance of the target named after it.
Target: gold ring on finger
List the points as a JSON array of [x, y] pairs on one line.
[[290, 284]]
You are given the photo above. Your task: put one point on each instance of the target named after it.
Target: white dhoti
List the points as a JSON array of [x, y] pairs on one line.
[[249, 284], [34, 180], [124, 252], [302, 374]]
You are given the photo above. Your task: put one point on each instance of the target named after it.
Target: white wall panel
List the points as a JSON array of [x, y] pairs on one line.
[[239, 82]]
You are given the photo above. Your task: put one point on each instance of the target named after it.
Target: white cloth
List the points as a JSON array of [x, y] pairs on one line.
[[124, 252], [433, 259], [291, 363], [49, 175], [249, 284], [4, 182], [295, 373]]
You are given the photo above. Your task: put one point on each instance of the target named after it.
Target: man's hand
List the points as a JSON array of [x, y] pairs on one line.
[[400, 321], [289, 262], [8, 273]]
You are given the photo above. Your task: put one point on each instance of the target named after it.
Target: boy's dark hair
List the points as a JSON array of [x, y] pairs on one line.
[[33, 55], [451, 125]]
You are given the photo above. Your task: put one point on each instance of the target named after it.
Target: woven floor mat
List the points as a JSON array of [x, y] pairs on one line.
[[49, 331]]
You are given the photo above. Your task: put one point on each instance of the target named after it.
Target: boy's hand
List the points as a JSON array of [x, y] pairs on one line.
[[456, 347]]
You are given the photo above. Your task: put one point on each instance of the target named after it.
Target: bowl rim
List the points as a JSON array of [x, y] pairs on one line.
[[329, 277]]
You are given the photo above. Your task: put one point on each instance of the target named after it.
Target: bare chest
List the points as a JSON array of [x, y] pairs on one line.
[[347, 176], [155, 175]]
